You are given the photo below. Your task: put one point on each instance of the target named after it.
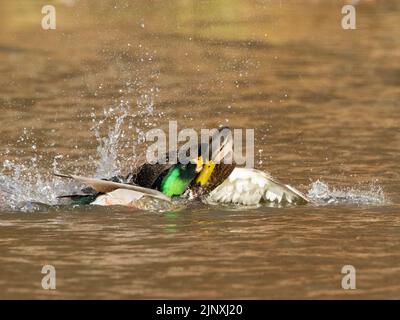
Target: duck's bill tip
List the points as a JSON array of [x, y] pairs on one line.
[[199, 163]]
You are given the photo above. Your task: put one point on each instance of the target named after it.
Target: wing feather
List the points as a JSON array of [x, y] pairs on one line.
[[104, 186], [251, 186]]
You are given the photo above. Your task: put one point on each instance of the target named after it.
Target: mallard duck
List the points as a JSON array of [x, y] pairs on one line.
[[169, 180], [212, 180]]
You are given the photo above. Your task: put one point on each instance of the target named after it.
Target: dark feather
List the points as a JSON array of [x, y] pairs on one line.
[[148, 174], [80, 199], [220, 173]]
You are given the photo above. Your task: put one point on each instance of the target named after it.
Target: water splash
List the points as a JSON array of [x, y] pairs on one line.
[[119, 129], [108, 148], [125, 131], [322, 193], [24, 186]]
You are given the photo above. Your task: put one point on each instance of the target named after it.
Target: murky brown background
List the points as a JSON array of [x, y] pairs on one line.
[[324, 103]]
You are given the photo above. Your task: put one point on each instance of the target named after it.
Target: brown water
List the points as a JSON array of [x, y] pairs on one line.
[[324, 105]]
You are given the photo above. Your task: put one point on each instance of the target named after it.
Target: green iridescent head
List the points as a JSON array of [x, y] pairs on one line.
[[179, 177]]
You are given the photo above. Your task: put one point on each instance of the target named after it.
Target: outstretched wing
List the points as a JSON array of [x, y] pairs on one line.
[[104, 186], [251, 186]]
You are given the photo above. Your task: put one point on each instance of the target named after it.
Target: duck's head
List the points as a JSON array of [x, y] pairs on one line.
[[200, 167], [179, 177], [219, 147]]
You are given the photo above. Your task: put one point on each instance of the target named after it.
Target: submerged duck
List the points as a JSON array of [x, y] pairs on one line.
[[211, 180]]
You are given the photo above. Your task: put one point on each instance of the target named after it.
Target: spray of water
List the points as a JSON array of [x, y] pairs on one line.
[[124, 130], [24, 183], [25, 186], [321, 193], [108, 148]]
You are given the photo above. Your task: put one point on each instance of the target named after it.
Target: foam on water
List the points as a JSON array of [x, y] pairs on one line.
[[322, 193]]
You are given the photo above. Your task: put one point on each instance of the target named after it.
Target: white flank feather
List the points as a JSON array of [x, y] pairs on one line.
[[122, 197]]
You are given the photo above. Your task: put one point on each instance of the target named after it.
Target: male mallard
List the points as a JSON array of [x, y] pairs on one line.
[[164, 178], [211, 179], [173, 182]]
